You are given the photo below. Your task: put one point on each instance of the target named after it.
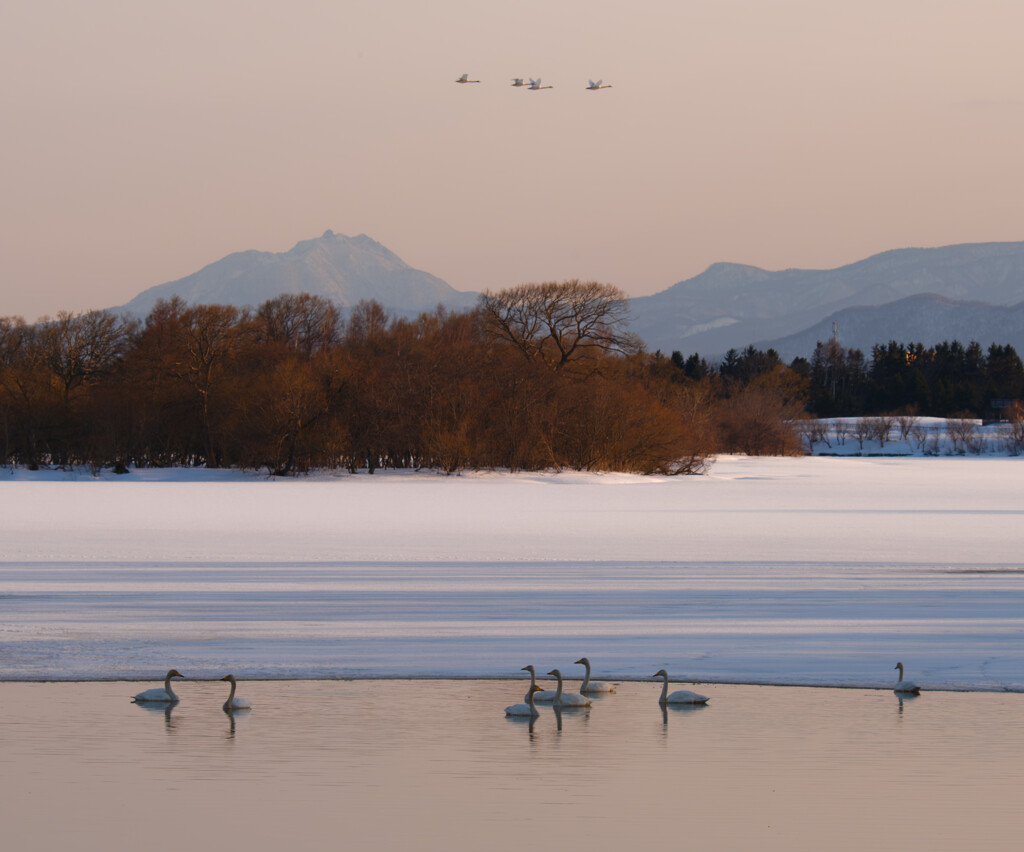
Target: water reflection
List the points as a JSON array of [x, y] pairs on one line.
[[905, 696], [165, 709], [795, 769], [233, 714]]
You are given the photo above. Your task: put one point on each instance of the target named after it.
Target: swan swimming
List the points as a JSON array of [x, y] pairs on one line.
[[683, 696], [593, 87], [527, 709], [465, 79], [235, 703], [568, 699], [589, 685], [545, 696], [905, 685], [157, 694]]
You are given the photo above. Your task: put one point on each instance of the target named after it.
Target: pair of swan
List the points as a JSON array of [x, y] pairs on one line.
[[554, 697], [166, 695]]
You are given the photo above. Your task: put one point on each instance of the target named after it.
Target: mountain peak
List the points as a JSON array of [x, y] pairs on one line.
[[345, 270]]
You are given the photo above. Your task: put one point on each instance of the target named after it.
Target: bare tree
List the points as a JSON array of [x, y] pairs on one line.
[[963, 433], [560, 323], [79, 347], [301, 322]]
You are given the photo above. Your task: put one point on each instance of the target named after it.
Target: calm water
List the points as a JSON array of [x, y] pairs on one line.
[[435, 765]]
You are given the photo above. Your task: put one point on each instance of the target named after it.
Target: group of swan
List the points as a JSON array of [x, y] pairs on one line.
[[535, 85], [169, 696], [558, 698]]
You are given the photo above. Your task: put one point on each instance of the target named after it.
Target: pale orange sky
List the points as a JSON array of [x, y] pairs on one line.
[[142, 140]]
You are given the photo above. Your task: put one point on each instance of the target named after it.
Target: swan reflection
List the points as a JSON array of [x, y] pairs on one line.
[[239, 713], [164, 709]]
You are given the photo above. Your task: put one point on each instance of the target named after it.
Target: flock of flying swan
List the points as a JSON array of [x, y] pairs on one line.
[[555, 697], [535, 85]]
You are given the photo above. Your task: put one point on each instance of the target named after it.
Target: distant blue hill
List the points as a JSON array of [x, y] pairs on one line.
[[732, 306], [343, 269]]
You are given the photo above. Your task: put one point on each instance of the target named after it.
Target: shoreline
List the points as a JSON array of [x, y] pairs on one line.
[[1004, 690]]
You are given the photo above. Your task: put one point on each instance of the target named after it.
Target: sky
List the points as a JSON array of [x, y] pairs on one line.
[[141, 141]]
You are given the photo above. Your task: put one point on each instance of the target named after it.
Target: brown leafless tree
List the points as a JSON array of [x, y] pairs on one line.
[[559, 323]]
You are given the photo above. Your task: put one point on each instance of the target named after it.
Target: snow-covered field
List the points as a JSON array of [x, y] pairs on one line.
[[815, 570]]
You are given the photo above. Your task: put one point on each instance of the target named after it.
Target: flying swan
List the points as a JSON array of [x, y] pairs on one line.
[[157, 694], [465, 79], [683, 696], [527, 709], [235, 703], [569, 699], [536, 86], [592, 685], [905, 686], [593, 87], [517, 82]]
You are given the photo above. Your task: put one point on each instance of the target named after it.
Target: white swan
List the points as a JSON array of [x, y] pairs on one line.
[[527, 709], [905, 685], [235, 703], [683, 696], [517, 82], [543, 696], [595, 86], [465, 79], [536, 86], [589, 685], [157, 694], [568, 699]]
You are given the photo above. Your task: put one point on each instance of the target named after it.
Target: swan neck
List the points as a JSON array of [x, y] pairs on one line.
[[664, 690], [558, 692], [231, 698], [586, 677], [167, 687]]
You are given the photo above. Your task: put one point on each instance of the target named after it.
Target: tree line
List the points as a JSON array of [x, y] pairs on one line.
[[945, 380], [536, 377]]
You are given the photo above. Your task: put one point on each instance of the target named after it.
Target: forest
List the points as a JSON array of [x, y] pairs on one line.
[[541, 376]]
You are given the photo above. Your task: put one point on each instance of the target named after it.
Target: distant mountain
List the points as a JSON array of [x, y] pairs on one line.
[[964, 292], [342, 269], [923, 319], [732, 306]]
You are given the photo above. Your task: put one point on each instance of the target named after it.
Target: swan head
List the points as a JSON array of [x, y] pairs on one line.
[[529, 669], [582, 661], [536, 688], [899, 666], [174, 673], [661, 673], [229, 678], [556, 673]]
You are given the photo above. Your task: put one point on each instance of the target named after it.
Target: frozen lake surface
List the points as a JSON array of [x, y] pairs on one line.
[[799, 571], [435, 765]]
